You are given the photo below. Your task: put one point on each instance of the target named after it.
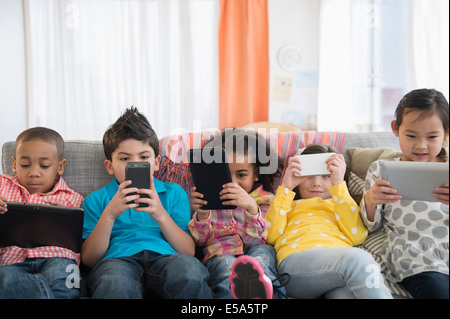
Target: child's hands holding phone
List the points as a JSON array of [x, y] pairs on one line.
[[292, 176], [122, 200], [151, 203], [337, 167]]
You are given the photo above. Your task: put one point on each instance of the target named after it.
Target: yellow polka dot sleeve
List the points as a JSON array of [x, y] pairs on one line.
[[276, 216]]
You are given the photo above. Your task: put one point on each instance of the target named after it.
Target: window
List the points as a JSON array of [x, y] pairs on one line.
[[375, 51]]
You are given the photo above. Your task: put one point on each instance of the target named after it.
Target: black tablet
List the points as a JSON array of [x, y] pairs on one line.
[[210, 171], [34, 225]]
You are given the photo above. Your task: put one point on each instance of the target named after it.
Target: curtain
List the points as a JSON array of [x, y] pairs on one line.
[[428, 45], [372, 52], [88, 60], [335, 87], [243, 62]]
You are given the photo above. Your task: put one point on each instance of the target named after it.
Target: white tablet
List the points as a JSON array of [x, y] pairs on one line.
[[415, 180], [314, 164]]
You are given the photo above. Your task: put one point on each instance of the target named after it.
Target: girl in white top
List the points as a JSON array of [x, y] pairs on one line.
[[416, 247]]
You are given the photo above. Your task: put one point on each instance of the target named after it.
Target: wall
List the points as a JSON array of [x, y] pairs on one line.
[[293, 93], [12, 71]]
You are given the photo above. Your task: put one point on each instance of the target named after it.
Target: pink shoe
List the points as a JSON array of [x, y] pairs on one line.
[[248, 280]]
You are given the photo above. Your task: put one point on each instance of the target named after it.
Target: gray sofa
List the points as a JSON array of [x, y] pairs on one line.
[[85, 171]]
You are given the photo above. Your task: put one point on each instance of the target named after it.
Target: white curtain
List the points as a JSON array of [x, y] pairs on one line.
[[343, 65], [374, 51], [428, 45], [88, 60]]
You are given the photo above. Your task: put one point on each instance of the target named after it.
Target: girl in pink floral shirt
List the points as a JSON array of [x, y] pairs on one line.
[[225, 235]]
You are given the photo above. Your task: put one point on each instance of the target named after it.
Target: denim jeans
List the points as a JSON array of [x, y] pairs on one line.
[[219, 268], [427, 285], [338, 273], [148, 274], [40, 278]]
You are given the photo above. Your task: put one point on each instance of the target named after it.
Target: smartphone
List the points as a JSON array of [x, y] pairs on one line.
[[314, 164], [210, 171], [139, 174]]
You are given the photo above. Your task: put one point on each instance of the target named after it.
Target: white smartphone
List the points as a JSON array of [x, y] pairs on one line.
[[314, 164]]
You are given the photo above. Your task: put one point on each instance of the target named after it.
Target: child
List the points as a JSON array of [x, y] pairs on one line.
[[227, 234], [135, 251], [38, 272], [416, 245], [314, 235]]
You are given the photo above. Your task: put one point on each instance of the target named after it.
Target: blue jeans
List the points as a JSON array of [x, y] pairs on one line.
[[338, 273], [40, 278], [151, 275], [427, 285], [219, 268]]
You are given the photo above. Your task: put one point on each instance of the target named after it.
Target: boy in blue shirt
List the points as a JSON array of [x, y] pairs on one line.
[[135, 251]]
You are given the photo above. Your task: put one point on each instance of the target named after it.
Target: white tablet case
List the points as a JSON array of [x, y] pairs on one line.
[[415, 180], [314, 164]]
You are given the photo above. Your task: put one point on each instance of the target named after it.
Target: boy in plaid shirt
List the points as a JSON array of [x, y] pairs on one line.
[[38, 272]]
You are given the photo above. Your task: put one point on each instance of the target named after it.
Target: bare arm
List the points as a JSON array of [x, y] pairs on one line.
[[96, 245]]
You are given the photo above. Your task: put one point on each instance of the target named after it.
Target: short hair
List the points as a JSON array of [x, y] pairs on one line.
[[44, 134], [130, 125]]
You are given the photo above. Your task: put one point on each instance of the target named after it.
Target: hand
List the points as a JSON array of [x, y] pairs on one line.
[[155, 207], [290, 178], [3, 206], [442, 194], [336, 165], [233, 194], [118, 203], [197, 203], [381, 193]]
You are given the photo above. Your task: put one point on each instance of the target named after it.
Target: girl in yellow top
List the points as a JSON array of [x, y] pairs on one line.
[[315, 232]]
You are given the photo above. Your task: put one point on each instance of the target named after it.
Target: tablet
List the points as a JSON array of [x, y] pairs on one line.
[[314, 164], [210, 171], [34, 225], [415, 180]]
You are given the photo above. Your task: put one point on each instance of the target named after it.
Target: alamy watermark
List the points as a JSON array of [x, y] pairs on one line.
[[73, 280], [374, 279], [259, 144]]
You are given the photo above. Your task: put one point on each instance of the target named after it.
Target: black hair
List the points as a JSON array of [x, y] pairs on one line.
[[430, 102], [45, 134], [130, 125], [261, 154]]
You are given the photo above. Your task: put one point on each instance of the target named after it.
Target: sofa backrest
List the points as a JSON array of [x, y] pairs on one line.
[[85, 171]]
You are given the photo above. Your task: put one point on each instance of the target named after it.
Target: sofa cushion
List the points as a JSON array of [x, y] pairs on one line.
[[361, 158]]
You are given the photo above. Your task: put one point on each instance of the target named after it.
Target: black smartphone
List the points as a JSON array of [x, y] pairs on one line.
[[210, 171], [139, 174]]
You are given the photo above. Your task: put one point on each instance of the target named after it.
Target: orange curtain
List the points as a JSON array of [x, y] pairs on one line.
[[243, 62]]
